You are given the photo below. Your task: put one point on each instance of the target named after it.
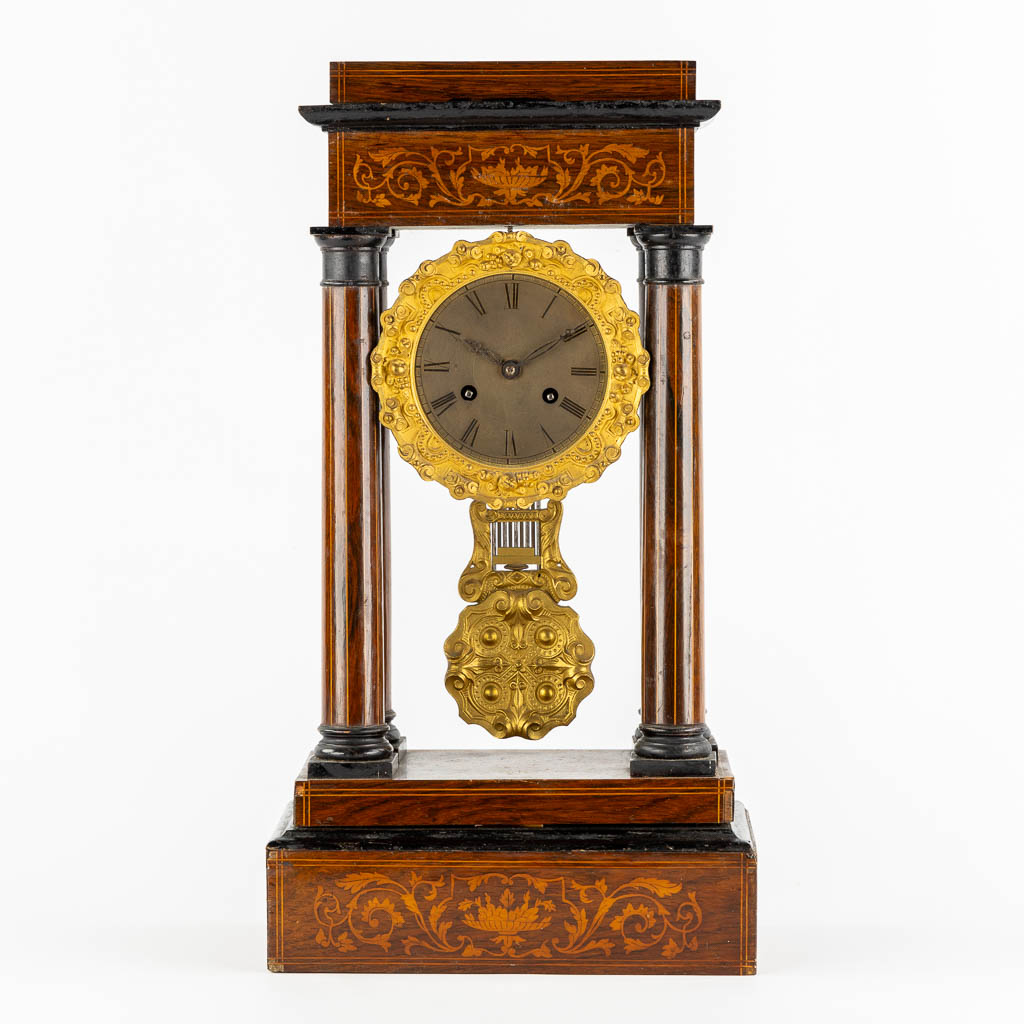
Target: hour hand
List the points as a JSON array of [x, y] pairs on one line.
[[481, 349]]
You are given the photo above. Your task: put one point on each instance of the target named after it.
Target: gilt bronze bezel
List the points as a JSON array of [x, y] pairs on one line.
[[403, 323]]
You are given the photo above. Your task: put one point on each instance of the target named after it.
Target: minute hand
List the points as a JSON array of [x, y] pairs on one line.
[[567, 335]]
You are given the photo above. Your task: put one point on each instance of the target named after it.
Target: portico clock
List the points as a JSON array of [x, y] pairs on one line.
[[510, 370]]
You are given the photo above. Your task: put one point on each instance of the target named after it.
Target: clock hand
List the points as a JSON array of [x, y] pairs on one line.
[[481, 349], [548, 345]]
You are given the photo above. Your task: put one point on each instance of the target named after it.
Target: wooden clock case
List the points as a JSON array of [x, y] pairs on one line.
[[608, 861]]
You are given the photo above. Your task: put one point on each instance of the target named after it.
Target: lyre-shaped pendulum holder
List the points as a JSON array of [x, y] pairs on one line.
[[518, 662]]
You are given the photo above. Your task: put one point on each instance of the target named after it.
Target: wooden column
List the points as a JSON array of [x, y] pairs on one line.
[[395, 737], [356, 573], [673, 738]]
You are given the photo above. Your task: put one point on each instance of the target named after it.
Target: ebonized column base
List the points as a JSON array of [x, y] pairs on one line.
[[380, 768], [353, 752], [672, 767], [394, 735], [673, 750], [559, 900], [638, 734]]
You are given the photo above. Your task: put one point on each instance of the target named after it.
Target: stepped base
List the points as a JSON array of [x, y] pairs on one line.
[[560, 900]]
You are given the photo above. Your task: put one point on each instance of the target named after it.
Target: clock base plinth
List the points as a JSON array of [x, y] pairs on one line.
[[513, 787], [612, 899]]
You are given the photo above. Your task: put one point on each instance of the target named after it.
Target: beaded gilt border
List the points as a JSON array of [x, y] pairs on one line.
[[393, 359]]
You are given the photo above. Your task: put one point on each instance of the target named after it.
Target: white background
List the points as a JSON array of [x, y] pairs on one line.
[[161, 506]]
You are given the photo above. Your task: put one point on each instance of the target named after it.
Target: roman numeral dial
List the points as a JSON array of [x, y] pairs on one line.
[[469, 434], [443, 403], [510, 370], [573, 408]]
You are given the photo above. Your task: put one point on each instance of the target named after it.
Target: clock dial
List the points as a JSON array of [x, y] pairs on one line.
[[511, 370]]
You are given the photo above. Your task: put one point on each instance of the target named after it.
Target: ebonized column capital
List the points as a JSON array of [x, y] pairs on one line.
[[354, 256], [670, 253]]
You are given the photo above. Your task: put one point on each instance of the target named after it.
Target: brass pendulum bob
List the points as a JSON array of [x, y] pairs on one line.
[[518, 661]]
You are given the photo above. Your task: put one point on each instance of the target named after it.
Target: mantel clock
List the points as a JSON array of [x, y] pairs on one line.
[[509, 370]]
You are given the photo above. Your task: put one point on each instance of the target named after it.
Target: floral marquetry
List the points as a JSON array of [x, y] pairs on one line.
[[472, 909], [407, 178], [512, 175], [495, 915]]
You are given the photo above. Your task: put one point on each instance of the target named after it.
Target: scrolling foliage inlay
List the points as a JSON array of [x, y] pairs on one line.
[[511, 175], [494, 915]]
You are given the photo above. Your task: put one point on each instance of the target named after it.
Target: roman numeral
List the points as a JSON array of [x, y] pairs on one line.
[[444, 403], [576, 332], [447, 330], [570, 406], [583, 371], [545, 433], [444, 367], [512, 295], [549, 305], [469, 434], [510, 441], [474, 300]]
